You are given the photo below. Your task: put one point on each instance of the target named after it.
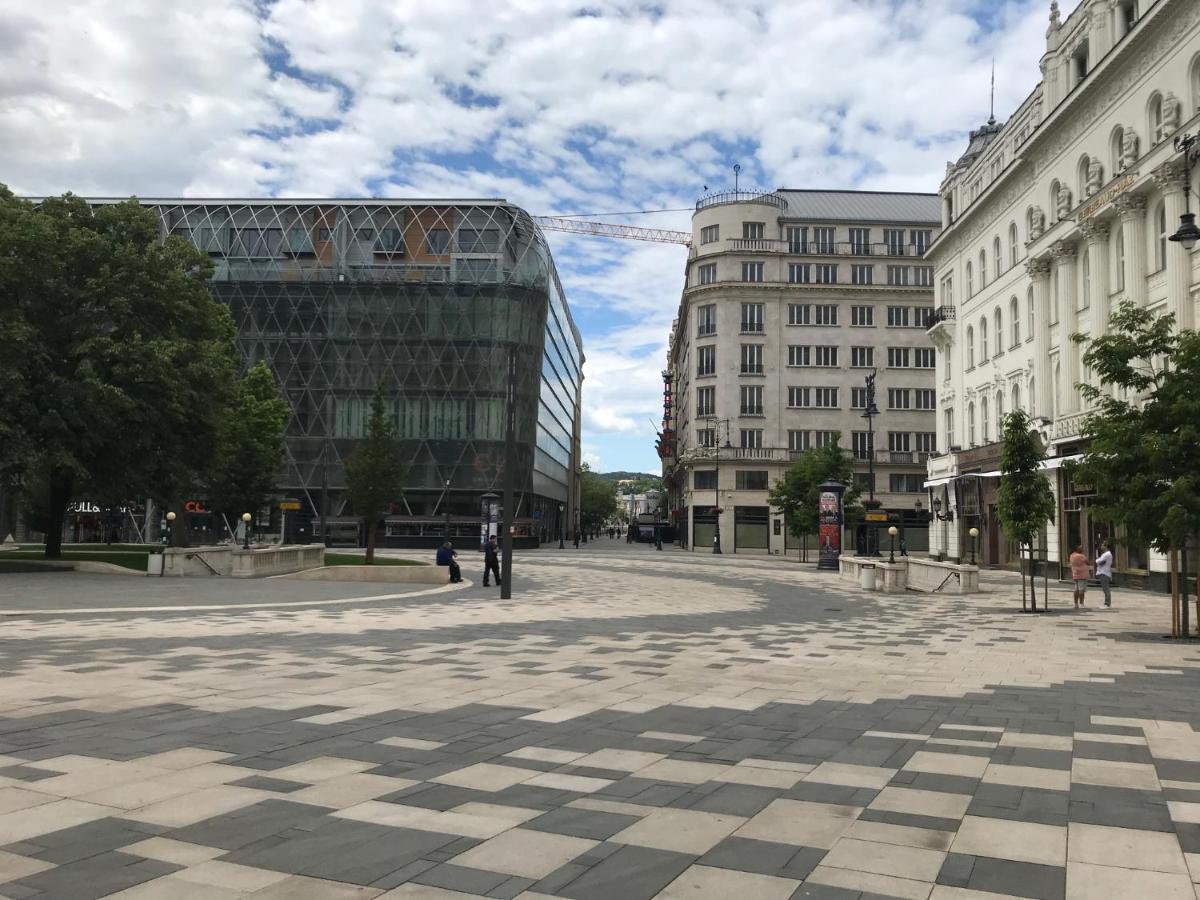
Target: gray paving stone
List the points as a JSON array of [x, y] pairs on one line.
[[632, 873], [584, 823]]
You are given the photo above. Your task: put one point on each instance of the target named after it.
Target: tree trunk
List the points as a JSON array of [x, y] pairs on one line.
[[1032, 580], [371, 526], [180, 534], [1021, 561], [61, 484], [1184, 627]]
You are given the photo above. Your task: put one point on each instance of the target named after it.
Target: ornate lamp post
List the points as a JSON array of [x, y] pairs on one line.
[[1188, 234], [974, 533], [869, 413], [246, 517], [892, 532], [717, 530], [561, 509]]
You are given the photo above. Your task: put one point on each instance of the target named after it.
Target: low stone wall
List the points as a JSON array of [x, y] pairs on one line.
[[194, 561], [930, 576], [228, 559], [890, 578], [389, 574]]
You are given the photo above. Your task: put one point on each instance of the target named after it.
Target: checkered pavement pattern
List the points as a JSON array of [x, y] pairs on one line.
[[631, 725]]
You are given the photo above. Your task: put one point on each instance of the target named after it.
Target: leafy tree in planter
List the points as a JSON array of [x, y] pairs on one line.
[[796, 493], [376, 470], [1026, 501], [1143, 458]]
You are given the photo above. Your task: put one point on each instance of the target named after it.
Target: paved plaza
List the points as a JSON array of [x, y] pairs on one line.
[[633, 724]]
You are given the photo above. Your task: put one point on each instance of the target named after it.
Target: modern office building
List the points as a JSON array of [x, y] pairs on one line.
[[429, 298], [1049, 220], [792, 299]]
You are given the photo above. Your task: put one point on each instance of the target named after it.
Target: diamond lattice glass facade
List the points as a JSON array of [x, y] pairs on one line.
[[430, 298]]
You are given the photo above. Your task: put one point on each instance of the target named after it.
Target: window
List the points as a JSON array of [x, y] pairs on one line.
[[898, 398], [391, 240], [898, 357], [899, 442], [983, 342], [708, 273], [926, 441], [799, 398], [926, 398], [906, 484], [751, 438], [255, 243], [827, 273], [799, 314], [862, 444], [437, 241], [752, 356], [704, 479], [923, 276], [860, 241], [706, 402], [752, 318], [1119, 258], [799, 273], [710, 234], [797, 238], [1016, 398], [862, 274], [864, 481], [750, 481], [971, 424], [825, 397], [970, 347], [999, 331], [862, 316], [923, 358], [478, 240], [858, 398], [753, 231], [799, 355], [949, 424], [1012, 245], [751, 397], [862, 357], [999, 413], [948, 291], [997, 257], [970, 282], [706, 320], [1157, 130], [824, 438], [897, 317], [983, 420], [897, 276], [799, 441], [1085, 295], [706, 437], [1160, 237], [825, 356], [1029, 302], [919, 238], [827, 314], [1014, 315], [752, 272], [893, 241], [982, 270], [822, 240], [706, 360], [922, 316]]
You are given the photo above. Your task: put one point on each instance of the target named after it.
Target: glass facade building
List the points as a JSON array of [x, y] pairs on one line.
[[429, 298]]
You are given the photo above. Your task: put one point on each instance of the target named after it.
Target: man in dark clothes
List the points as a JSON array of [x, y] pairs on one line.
[[491, 561], [445, 557]]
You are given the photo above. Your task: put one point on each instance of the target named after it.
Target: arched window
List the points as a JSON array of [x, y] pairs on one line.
[[970, 282], [1116, 143], [1030, 305], [1160, 236], [1016, 398], [1081, 171], [998, 331], [970, 347], [1053, 202], [982, 270], [1055, 399], [1033, 400], [1014, 313], [983, 347], [1012, 244], [997, 256], [1119, 257], [983, 421], [1195, 82], [1155, 114], [1086, 265], [999, 414], [971, 424]]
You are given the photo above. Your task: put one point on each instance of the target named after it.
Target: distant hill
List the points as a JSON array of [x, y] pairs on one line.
[[654, 480]]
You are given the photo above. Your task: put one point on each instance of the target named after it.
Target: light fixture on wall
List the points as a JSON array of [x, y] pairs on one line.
[[937, 511], [1188, 234]]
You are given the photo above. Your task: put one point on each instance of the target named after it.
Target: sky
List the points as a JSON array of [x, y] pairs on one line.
[[600, 107]]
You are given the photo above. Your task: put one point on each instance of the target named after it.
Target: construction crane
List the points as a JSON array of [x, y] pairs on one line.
[[604, 229]]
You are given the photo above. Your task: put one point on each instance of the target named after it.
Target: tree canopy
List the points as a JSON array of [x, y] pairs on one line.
[[796, 493], [1026, 502], [376, 470], [597, 500]]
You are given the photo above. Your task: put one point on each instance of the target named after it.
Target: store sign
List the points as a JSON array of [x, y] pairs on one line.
[[1106, 196], [193, 506], [289, 504], [876, 517]]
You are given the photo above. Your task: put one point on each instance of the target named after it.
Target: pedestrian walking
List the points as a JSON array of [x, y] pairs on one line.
[[1104, 571], [491, 561], [1079, 574], [445, 557]]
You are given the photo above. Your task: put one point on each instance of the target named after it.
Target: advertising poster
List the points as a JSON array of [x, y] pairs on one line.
[[829, 529]]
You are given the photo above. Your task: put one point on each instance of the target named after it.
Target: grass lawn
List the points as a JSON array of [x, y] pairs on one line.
[[353, 559], [126, 558]]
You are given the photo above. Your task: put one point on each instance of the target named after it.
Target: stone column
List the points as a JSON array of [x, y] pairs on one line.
[[1066, 263], [1096, 234], [1132, 209], [1118, 19], [1179, 261], [1039, 271]]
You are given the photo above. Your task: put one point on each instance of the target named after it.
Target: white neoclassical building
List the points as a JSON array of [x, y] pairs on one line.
[[1049, 220]]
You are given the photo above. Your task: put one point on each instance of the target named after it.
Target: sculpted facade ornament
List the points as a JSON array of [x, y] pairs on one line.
[[1063, 202], [1170, 113], [1037, 268], [1095, 176], [1062, 250], [1129, 148], [1169, 176], [1094, 231], [1130, 206], [1037, 223]]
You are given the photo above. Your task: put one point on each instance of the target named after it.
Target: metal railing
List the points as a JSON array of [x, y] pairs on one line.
[[940, 314], [718, 198], [908, 252]]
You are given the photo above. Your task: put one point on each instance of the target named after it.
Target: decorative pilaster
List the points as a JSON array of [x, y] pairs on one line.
[[1169, 178], [1118, 20], [1096, 234], [1132, 209], [1066, 263], [1039, 272]]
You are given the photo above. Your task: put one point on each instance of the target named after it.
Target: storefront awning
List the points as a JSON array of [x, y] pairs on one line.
[[1047, 466]]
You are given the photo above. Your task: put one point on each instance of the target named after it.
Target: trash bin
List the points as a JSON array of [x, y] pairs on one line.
[[154, 563], [867, 577]]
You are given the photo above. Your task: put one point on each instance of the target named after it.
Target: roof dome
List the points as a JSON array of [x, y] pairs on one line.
[[981, 139]]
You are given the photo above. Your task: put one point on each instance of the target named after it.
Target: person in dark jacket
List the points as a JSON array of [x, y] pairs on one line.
[[445, 557], [491, 561]]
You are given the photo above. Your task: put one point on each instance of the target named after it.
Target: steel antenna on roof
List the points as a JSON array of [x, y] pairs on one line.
[[992, 107], [737, 170]]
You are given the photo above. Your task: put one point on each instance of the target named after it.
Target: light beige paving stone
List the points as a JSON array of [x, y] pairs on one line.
[[349, 790], [1127, 848], [710, 883], [486, 777], [184, 758], [613, 806], [525, 853], [13, 866], [423, 892], [922, 803], [584, 784], [947, 763], [781, 765], [396, 815], [681, 830], [187, 809], [54, 816], [1028, 776], [672, 736], [681, 771], [172, 887], [800, 822], [619, 760], [984, 729], [301, 887], [773, 778], [944, 892], [904, 835], [230, 875], [851, 775], [1184, 812], [97, 778], [1009, 839], [411, 743], [546, 754], [13, 799], [208, 774], [897, 735], [867, 882], [1193, 864], [135, 795], [1115, 774], [913, 863], [1036, 741], [514, 815], [322, 769], [179, 852], [1096, 737], [1086, 881]]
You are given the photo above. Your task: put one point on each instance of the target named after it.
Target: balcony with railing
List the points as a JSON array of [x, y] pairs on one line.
[[721, 198], [908, 252], [751, 328]]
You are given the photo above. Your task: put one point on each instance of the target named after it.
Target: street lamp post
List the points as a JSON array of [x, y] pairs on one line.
[[446, 502], [717, 530], [1188, 234], [170, 541], [246, 517], [561, 510], [869, 413], [974, 533], [892, 532]]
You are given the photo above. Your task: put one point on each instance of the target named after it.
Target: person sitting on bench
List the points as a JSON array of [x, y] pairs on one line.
[[445, 557]]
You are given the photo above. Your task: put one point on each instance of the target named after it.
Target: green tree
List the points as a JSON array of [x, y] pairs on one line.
[[795, 495], [1026, 502], [1143, 454], [597, 500], [116, 363], [250, 446], [376, 470]]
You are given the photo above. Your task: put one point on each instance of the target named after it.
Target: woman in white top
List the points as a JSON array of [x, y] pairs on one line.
[[1104, 572]]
